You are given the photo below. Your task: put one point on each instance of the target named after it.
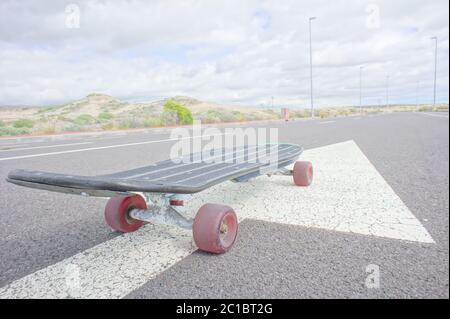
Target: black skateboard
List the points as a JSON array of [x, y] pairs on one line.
[[154, 193]]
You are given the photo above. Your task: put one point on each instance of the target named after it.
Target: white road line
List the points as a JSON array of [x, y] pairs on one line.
[[109, 270], [434, 115], [102, 147], [327, 122], [46, 146], [348, 195]]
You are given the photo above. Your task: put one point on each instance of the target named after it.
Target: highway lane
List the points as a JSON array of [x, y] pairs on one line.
[[409, 150]]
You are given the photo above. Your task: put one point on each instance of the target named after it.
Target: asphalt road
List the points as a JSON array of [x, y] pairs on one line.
[[274, 260]]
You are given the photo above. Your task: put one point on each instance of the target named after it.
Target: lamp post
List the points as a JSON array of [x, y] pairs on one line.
[[387, 91], [417, 93], [360, 89], [435, 68], [311, 65]]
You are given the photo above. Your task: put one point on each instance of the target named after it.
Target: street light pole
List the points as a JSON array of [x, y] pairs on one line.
[[417, 93], [360, 89], [387, 91], [311, 65], [435, 68]]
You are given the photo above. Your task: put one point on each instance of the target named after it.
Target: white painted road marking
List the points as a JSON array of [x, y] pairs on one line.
[[327, 122], [348, 194], [109, 270], [434, 115], [102, 147], [46, 146]]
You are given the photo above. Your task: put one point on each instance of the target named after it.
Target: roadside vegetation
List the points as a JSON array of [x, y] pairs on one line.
[[23, 123], [101, 112], [178, 113]]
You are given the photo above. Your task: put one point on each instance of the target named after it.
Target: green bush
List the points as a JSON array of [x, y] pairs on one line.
[[213, 116], [425, 109], [2, 124], [153, 122], [130, 122], [84, 119], [23, 123], [300, 113], [169, 118], [105, 116], [49, 129], [73, 128], [108, 126], [48, 109], [442, 108], [11, 131], [184, 115], [63, 118], [238, 116], [324, 114], [220, 115]]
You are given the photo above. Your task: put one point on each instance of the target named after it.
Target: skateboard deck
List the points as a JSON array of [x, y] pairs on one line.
[[154, 193], [184, 176]]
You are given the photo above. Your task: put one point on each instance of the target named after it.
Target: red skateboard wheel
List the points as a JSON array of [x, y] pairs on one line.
[[215, 228], [303, 173], [117, 209]]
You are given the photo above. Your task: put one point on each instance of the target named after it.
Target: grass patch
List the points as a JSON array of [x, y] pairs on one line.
[[12, 131], [221, 115], [84, 119], [108, 126], [23, 123], [127, 123], [48, 109], [153, 122], [299, 113], [49, 130], [105, 116]]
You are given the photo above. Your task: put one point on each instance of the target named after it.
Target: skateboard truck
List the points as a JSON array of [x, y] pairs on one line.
[[162, 211], [282, 171]]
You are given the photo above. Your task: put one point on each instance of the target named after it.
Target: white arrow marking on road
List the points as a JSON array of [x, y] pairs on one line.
[[348, 194]]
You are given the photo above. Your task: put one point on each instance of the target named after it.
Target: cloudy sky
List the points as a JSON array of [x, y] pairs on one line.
[[236, 52]]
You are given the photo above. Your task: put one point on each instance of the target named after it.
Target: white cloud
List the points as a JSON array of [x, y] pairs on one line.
[[226, 51]]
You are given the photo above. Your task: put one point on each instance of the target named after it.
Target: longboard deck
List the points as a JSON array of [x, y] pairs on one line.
[[184, 176]]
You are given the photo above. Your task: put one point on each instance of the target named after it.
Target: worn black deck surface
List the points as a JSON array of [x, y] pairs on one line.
[[189, 174]]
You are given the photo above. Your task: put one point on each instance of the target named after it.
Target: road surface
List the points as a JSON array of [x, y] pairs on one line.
[[378, 207]]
